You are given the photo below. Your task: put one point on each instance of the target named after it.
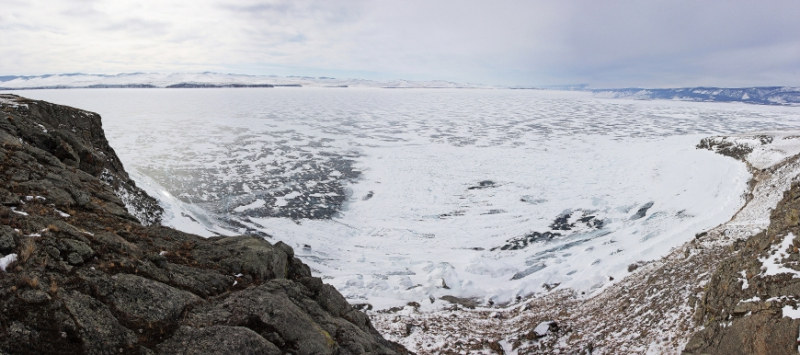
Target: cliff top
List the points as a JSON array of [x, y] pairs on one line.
[[87, 269]]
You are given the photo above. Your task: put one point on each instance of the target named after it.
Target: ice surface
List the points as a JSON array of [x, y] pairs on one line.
[[397, 196]]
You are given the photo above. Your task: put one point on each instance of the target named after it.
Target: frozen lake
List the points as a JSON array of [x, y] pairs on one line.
[[410, 195]]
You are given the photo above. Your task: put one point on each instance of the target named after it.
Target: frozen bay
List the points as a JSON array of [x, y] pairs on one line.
[[414, 194]]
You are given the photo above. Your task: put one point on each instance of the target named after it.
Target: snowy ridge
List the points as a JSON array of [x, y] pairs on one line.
[[10, 101], [773, 95], [204, 80], [760, 150]]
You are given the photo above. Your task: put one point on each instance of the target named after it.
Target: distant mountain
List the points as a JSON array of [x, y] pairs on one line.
[[769, 95], [204, 80]]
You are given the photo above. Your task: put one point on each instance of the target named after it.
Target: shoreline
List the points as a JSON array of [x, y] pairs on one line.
[[656, 309], [518, 219]]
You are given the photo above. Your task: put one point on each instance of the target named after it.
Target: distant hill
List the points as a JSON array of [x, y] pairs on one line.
[[205, 80], [769, 95]]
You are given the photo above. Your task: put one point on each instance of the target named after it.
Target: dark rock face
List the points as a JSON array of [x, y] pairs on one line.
[[742, 309], [58, 149], [585, 222], [642, 211], [218, 339], [729, 147], [88, 278]]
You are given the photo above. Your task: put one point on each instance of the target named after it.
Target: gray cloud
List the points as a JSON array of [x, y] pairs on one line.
[[620, 43]]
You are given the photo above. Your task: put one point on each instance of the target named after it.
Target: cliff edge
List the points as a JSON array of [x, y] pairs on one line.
[[86, 269]]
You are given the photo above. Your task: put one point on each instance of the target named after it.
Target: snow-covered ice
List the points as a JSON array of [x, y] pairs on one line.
[[397, 196]]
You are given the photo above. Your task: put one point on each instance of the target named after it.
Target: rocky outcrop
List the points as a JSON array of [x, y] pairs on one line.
[[73, 145], [737, 147], [743, 309], [82, 275]]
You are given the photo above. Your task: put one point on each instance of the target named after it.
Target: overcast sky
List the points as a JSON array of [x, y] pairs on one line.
[[648, 43]]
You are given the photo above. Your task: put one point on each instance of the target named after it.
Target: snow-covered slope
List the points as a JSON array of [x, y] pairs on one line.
[[761, 150], [207, 79]]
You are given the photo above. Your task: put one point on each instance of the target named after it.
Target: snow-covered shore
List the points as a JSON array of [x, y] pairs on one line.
[[654, 310]]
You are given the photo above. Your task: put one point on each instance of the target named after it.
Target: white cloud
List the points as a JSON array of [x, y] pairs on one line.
[[621, 43]]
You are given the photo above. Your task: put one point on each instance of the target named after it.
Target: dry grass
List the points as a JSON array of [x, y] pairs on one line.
[[36, 209], [53, 287], [28, 248], [27, 281]]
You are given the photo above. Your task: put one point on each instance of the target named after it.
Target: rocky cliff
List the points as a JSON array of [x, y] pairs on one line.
[[88, 270], [749, 305], [750, 302]]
